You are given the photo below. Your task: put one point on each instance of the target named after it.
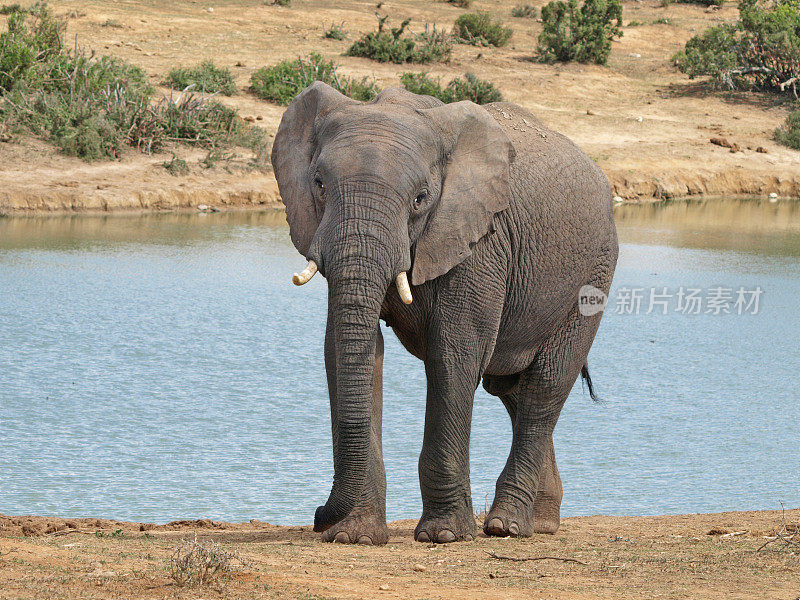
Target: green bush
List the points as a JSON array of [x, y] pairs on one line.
[[7, 9], [761, 51], [395, 47], [524, 11], [92, 107], [336, 32], [582, 34], [32, 40], [282, 82], [469, 87], [788, 134], [479, 29], [205, 77], [460, 3]]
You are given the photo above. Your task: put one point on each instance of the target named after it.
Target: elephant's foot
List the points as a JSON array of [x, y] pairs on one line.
[[360, 527], [445, 529], [509, 522], [503, 522]]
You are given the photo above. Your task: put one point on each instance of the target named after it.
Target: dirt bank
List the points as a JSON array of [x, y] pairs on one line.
[[685, 556], [647, 125]]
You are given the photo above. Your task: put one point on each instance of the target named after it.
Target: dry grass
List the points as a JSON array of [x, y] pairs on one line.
[[197, 562]]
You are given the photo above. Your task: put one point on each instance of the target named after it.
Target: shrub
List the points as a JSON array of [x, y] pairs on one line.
[[460, 3], [92, 107], [282, 82], [788, 134], [7, 9], [479, 29], [761, 51], [582, 34], [524, 11], [200, 563], [394, 47], [469, 87], [32, 39], [434, 45], [336, 32], [205, 77], [176, 166], [703, 2]]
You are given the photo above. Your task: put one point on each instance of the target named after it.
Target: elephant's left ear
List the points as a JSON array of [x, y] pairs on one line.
[[476, 186]]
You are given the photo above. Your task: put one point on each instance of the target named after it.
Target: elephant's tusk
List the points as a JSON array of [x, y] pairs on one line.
[[403, 288], [305, 274]]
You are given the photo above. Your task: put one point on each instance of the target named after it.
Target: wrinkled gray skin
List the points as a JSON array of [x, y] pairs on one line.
[[499, 222]]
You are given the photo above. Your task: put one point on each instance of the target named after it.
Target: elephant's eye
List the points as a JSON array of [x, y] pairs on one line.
[[420, 199], [319, 184]]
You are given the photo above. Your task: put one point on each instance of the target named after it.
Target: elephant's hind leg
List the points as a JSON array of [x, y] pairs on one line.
[[366, 524], [528, 494]]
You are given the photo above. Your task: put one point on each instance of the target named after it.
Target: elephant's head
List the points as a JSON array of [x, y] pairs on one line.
[[373, 191]]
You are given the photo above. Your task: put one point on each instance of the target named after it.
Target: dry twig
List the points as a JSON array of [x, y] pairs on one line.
[[494, 554], [787, 536]]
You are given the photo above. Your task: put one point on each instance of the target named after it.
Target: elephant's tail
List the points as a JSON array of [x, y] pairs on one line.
[[588, 380]]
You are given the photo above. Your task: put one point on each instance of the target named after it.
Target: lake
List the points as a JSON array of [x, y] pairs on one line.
[[164, 366]]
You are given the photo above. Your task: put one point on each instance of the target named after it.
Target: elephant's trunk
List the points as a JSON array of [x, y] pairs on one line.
[[358, 266]]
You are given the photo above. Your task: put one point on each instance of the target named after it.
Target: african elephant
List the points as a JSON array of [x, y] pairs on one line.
[[500, 222]]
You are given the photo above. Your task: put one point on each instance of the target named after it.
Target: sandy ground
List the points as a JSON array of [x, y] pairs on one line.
[[647, 125], [685, 556]]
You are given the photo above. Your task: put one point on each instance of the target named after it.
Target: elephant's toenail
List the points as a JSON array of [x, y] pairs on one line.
[[446, 536], [423, 537], [513, 529], [495, 525], [365, 540], [342, 538]]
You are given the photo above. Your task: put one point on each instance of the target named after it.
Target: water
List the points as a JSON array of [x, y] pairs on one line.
[[164, 366]]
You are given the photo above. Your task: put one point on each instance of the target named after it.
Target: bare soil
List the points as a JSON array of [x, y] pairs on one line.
[[683, 556], [648, 126]]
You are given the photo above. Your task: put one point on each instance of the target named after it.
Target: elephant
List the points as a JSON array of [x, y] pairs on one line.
[[500, 223]]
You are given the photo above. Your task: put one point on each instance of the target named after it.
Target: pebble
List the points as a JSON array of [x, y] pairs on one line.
[[639, 119], [384, 587], [420, 568], [635, 55], [619, 199], [773, 197], [210, 9]]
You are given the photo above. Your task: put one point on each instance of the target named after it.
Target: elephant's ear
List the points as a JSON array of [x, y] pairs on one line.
[[292, 153], [476, 186]]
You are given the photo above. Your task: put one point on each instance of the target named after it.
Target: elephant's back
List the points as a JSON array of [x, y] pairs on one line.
[[544, 155], [552, 179], [559, 228]]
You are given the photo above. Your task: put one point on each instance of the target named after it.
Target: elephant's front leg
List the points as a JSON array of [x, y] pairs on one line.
[[366, 524], [447, 514]]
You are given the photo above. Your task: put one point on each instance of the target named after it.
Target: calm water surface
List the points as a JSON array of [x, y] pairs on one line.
[[156, 367]]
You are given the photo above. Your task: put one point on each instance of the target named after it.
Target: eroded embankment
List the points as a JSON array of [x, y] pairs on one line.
[[259, 191]]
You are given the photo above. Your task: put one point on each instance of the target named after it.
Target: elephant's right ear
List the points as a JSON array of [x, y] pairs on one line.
[[292, 153]]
